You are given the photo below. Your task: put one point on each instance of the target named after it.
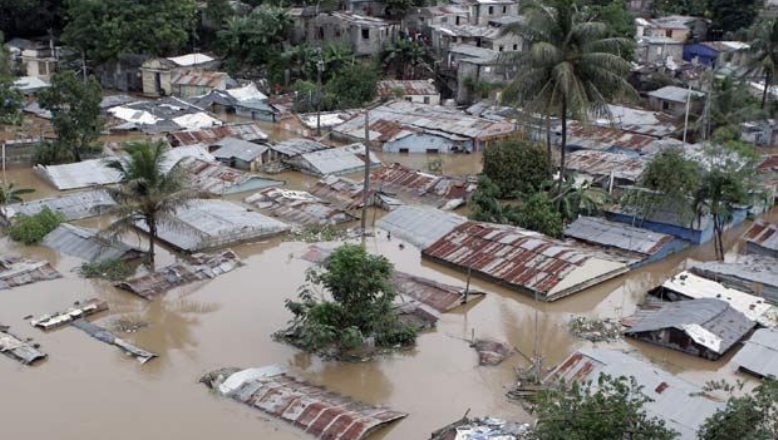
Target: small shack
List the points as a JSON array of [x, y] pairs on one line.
[[417, 187], [419, 225], [240, 154], [157, 73], [298, 207], [334, 161], [707, 327], [74, 206], [762, 239]]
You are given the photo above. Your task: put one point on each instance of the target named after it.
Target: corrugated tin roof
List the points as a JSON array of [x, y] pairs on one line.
[[618, 235], [191, 59], [75, 206], [16, 271], [764, 235], [754, 308], [211, 136], [219, 179], [298, 207], [360, 19], [86, 244], [709, 322], [759, 355], [597, 137], [522, 259], [340, 191], [468, 31], [199, 78], [207, 224], [442, 10], [230, 148], [420, 225], [674, 94], [109, 338], [338, 161], [445, 192], [603, 163], [682, 405], [194, 268], [19, 349], [387, 87], [296, 147], [81, 309], [751, 273], [312, 408]]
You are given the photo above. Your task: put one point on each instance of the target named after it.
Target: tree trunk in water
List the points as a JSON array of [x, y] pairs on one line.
[[767, 79], [718, 239], [549, 155], [563, 145], [152, 224]]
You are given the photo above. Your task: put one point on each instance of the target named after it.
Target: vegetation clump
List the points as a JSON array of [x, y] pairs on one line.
[[30, 229], [360, 317], [316, 234], [114, 269]]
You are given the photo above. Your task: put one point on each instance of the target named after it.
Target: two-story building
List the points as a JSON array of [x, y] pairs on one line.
[[157, 74], [366, 36], [482, 11]]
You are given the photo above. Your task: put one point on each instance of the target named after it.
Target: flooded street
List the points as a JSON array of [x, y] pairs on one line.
[[89, 390]]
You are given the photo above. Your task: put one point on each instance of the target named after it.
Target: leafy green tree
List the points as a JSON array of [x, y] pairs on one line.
[[485, 206], [731, 105], [516, 167], [31, 229], [102, 30], [409, 59], [353, 87], [361, 307], [10, 97], [30, 18], [146, 193], [218, 12], [616, 15], [751, 417], [75, 109], [610, 408], [537, 213], [10, 194], [250, 42], [573, 68], [763, 53], [732, 15], [572, 199], [679, 7]]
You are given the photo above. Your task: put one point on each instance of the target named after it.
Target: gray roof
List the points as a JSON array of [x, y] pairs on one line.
[[296, 147], [116, 100], [674, 94], [759, 356], [420, 225], [238, 149], [681, 404], [207, 224], [74, 206], [618, 235], [711, 323], [751, 273], [338, 161], [474, 51], [86, 244]]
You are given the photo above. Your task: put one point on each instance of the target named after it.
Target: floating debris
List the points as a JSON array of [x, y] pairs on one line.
[[317, 234], [78, 311], [128, 325], [486, 428], [491, 353], [16, 348], [104, 335], [595, 330], [319, 412]]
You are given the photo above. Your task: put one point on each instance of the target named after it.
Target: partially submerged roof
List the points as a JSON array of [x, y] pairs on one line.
[[19, 349], [674, 94], [414, 186], [79, 310], [212, 136], [692, 286], [711, 323], [75, 206], [109, 338], [208, 224], [193, 268], [389, 87], [30, 84], [522, 260], [218, 179], [603, 163], [321, 413], [682, 405], [603, 137], [754, 274], [420, 225], [88, 245], [17, 271], [340, 191], [234, 148], [297, 147], [763, 236], [602, 232], [298, 207], [638, 120], [759, 355], [338, 161]]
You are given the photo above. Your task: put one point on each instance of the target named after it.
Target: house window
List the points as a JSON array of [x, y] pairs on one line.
[[457, 21], [515, 47], [409, 98], [365, 33], [665, 105], [444, 19], [504, 9], [501, 48], [404, 151], [320, 33], [491, 10], [432, 151], [426, 99]]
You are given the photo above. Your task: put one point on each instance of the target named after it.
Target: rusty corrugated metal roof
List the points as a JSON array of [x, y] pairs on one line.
[[200, 78], [340, 191], [312, 408], [523, 260], [602, 163], [770, 163], [764, 235], [594, 137], [386, 88], [428, 189], [209, 136], [17, 271], [298, 207]]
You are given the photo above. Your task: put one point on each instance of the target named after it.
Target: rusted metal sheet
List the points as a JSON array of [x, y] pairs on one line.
[[603, 163], [107, 337], [196, 267], [341, 192], [602, 138], [17, 271], [443, 192], [247, 132], [388, 88], [523, 260], [17, 348], [218, 179], [762, 238], [770, 163], [78, 311], [199, 78], [298, 207], [491, 353], [312, 408]]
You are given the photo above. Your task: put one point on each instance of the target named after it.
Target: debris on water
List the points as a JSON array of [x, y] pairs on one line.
[[595, 330], [491, 353], [78, 311], [16, 348], [485, 428], [105, 336], [316, 234], [128, 325]]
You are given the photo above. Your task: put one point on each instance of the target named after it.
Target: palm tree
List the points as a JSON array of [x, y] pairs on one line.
[[9, 194], [406, 57], [147, 192], [572, 68], [764, 52]]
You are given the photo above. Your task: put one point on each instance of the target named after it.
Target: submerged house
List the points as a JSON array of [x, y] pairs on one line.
[[340, 191], [291, 149], [246, 101], [211, 137], [607, 168], [334, 161], [188, 83], [420, 225], [240, 154], [762, 239], [298, 207], [414, 186], [522, 260], [683, 406], [218, 179], [73, 206], [754, 274], [707, 327], [87, 244], [636, 245]]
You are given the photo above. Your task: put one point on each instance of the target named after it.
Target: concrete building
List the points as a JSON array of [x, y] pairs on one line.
[[680, 28], [333, 161], [717, 54], [657, 50], [188, 83], [241, 154], [482, 11], [157, 73], [37, 58], [366, 36], [418, 91], [673, 100]]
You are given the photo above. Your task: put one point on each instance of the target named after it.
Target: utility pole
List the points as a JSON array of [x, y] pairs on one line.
[[688, 108], [366, 186], [319, 69]]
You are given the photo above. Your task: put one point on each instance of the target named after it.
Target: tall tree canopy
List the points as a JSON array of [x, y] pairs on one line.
[[751, 417], [250, 42], [30, 18], [105, 29], [516, 167], [764, 53], [10, 97], [732, 15], [679, 7], [573, 68]]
